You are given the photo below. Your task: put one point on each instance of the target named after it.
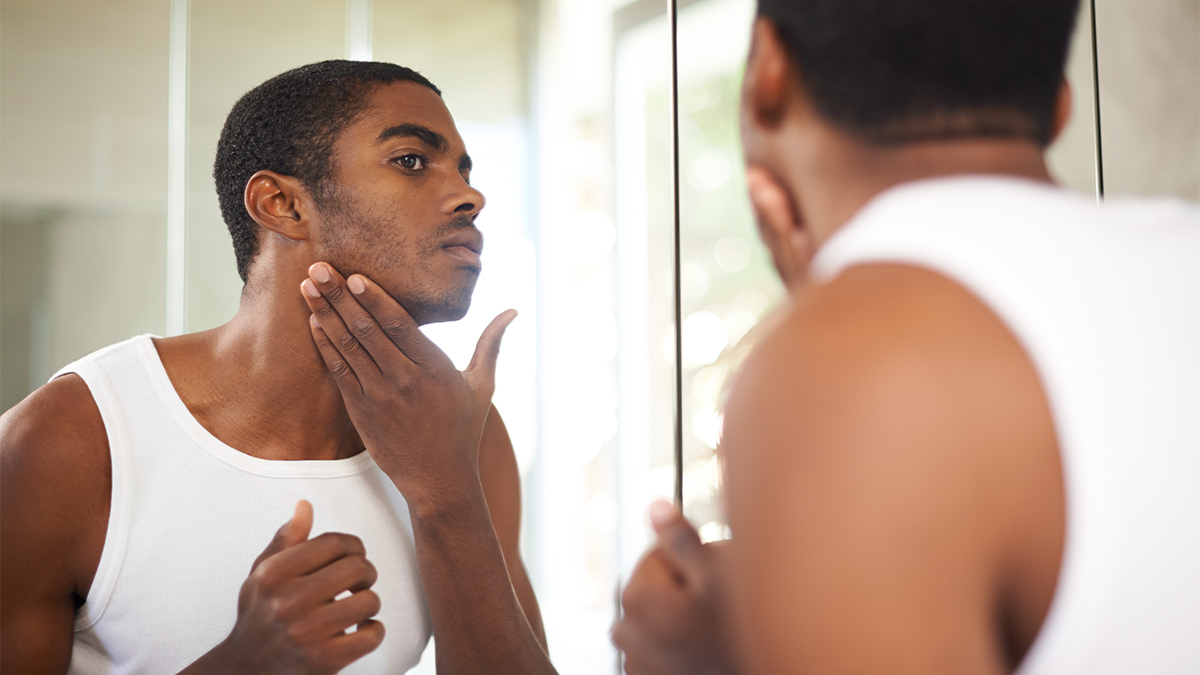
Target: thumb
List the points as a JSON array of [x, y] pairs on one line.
[[678, 541], [291, 533], [481, 372]]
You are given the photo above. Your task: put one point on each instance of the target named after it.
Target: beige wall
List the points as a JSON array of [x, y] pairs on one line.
[[1149, 58], [82, 180]]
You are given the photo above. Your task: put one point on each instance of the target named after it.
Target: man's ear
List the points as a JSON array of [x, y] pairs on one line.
[[768, 70], [1062, 109], [280, 204]]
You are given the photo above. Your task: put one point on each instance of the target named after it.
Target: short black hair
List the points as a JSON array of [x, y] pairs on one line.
[[893, 71], [289, 124]]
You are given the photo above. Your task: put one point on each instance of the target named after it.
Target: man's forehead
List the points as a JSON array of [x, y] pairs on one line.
[[403, 105]]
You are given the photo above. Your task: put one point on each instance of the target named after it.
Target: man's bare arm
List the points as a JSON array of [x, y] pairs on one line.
[[893, 484], [54, 501], [422, 420], [54, 504], [501, 481]]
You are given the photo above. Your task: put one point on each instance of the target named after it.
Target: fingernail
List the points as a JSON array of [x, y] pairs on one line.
[[310, 289], [320, 272], [356, 284], [661, 512], [312, 321]]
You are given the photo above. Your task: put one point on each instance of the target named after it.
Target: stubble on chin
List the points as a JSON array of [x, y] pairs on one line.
[[356, 245]]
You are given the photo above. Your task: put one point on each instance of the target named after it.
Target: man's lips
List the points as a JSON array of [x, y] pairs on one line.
[[466, 245], [468, 238]]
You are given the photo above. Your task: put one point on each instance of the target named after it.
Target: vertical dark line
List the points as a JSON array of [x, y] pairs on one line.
[[1096, 106], [672, 19]]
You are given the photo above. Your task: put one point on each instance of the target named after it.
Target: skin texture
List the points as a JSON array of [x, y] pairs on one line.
[[269, 381], [892, 474]]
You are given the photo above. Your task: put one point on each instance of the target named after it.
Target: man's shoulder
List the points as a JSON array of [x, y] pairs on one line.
[[57, 416], [895, 347], [57, 477], [890, 406], [880, 315], [55, 436]]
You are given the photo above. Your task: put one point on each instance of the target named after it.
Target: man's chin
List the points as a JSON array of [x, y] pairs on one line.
[[440, 314], [438, 310]]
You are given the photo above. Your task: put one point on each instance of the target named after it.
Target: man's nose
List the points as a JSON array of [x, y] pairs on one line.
[[463, 199]]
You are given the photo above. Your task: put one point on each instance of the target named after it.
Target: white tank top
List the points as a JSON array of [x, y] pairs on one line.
[[190, 514], [1106, 303]]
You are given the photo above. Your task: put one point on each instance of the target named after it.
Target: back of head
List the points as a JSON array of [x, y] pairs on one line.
[[289, 124], [893, 71]]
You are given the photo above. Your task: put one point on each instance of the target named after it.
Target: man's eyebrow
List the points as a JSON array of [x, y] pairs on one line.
[[424, 134]]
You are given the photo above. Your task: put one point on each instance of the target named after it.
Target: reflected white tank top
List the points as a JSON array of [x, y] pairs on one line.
[[1106, 303], [190, 514]]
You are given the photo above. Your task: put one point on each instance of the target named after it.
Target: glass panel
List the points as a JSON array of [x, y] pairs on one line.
[[82, 203], [728, 282], [646, 281]]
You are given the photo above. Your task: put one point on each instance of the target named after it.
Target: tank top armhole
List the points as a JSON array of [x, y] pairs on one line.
[[115, 537]]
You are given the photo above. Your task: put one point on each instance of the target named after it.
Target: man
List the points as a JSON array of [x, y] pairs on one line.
[[142, 486], [971, 444]]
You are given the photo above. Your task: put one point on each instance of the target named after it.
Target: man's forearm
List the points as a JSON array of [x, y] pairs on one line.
[[478, 622]]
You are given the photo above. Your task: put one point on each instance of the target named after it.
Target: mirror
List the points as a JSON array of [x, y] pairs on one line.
[[110, 225]]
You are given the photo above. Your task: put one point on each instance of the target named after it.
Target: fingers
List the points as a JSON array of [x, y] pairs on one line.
[[771, 203], [327, 627], [341, 370], [346, 326], [678, 540], [353, 646], [308, 557], [294, 531], [779, 224], [350, 573], [481, 372], [333, 618], [396, 325]]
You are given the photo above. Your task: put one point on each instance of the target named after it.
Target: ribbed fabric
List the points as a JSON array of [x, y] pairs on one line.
[[1106, 303], [190, 514]]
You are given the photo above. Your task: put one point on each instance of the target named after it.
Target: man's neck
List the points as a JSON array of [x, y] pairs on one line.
[[259, 384], [850, 174]]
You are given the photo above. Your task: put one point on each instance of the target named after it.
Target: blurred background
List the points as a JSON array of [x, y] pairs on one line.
[[109, 224]]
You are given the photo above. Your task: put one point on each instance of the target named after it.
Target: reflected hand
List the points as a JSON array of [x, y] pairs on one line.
[[674, 605], [419, 416], [779, 224]]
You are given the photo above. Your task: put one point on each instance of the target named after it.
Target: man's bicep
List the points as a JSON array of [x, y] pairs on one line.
[[857, 547], [36, 612], [42, 530]]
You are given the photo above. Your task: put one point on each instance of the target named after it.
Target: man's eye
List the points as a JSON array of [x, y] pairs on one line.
[[412, 162]]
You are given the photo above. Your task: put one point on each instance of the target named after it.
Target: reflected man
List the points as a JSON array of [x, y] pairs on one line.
[[144, 486], [970, 444]]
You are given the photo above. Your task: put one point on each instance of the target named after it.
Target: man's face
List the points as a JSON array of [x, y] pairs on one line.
[[400, 209]]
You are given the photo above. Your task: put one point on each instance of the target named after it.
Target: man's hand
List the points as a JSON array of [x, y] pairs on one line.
[[422, 421], [418, 416], [288, 618], [674, 604], [787, 237]]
